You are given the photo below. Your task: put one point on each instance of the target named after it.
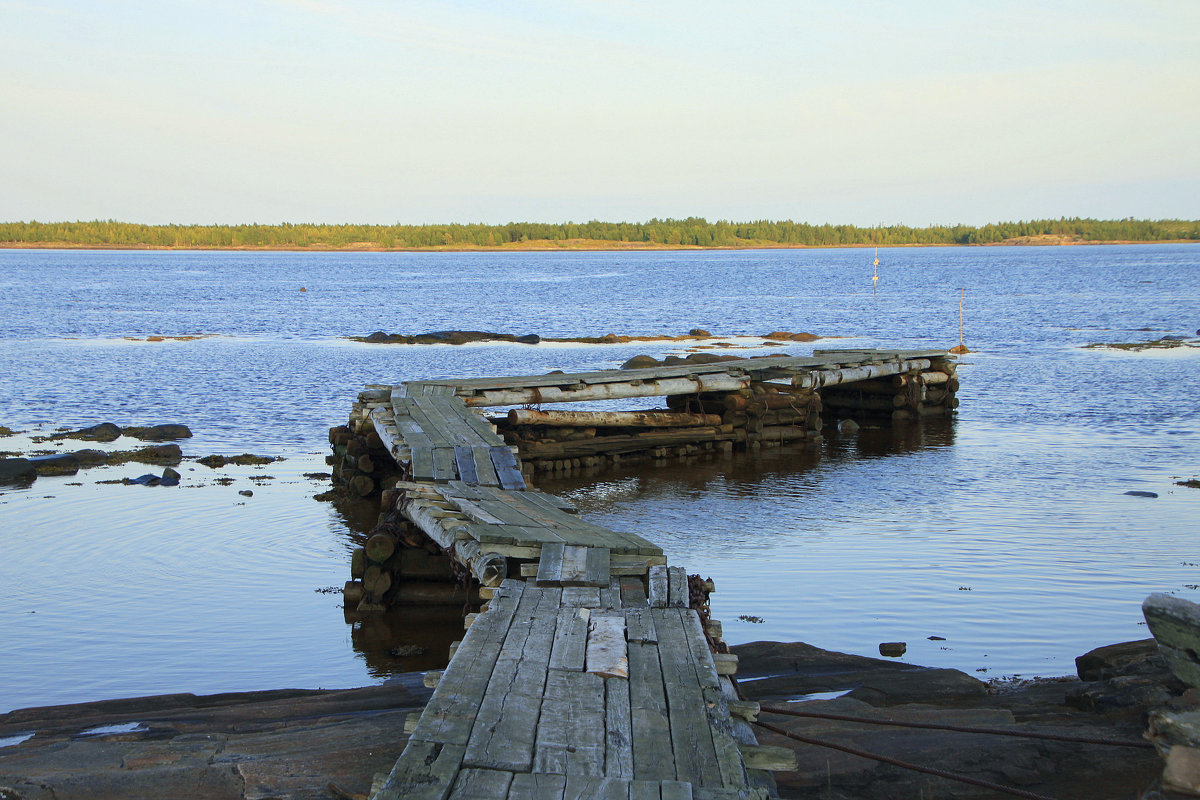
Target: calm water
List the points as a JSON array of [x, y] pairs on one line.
[[1007, 531]]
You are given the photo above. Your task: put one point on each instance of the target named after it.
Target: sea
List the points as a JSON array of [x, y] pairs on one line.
[[1003, 542]]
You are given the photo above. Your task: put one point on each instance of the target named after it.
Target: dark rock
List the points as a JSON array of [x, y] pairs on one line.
[[673, 361], [104, 432], [57, 464], [1142, 494], [699, 332], [170, 477], [17, 470], [1124, 692], [160, 433], [1127, 658], [91, 458], [848, 427], [708, 358], [159, 454], [245, 459], [1175, 623], [641, 362], [769, 670], [378, 337], [893, 649], [530, 338], [246, 493], [145, 480]]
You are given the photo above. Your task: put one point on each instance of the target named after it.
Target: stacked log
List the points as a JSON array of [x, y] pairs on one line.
[[922, 392], [762, 413], [398, 565]]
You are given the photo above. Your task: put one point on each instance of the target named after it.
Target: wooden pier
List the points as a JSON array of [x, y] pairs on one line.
[[592, 670]]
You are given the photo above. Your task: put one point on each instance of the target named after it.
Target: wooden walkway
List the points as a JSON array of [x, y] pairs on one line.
[[587, 674]]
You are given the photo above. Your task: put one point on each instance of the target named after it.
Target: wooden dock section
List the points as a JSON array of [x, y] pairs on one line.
[[592, 671]]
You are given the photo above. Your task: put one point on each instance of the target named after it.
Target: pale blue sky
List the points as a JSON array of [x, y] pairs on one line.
[[826, 111]]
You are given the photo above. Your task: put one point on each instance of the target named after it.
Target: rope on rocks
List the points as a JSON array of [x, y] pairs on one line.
[[954, 776], [1056, 737]]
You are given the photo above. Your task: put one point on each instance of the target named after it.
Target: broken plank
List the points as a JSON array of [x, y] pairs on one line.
[[424, 771], [481, 784], [508, 469], [677, 587], [606, 653], [657, 587]]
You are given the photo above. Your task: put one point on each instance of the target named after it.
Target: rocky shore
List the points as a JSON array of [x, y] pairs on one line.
[[467, 337], [306, 745]]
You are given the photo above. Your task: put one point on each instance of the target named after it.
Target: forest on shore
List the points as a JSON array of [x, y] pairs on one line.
[[656, 233]]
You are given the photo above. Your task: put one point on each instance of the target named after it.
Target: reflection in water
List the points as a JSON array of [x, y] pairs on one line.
[[406, 639]]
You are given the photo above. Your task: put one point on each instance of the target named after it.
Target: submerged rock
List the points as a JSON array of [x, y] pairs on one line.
[[160, 433], [17, 470], [104, 432], [57, 464], [91, 458]]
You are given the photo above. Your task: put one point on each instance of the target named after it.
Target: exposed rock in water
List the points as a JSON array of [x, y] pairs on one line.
[[57, 464], [699, 332], [1142, 494], [245, 459], [892, 649], [91, 458], [160, 433], [641, 362], [104, 432], [159, 454], [170, 477], [17, 470], [791, 337]]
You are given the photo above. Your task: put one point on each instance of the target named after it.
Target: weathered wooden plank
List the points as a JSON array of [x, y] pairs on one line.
[[644, 790], [691, 735], [570, 734], [570, 639], [482, 455], [581, 597], [652, 751], [639, 626], [596, 567], [443, 465], [606, 653], [537, 786], [610, 596], [464, 460], [584, 788], [549, 571], [658, 586], [550, 501], [514, 534], [474, 511], [702, 656], [481, 784], [424, 771], [508, 469], [450, 713], [574, 568], [677, 587], [618, 730], [676, 790], [506, 724]]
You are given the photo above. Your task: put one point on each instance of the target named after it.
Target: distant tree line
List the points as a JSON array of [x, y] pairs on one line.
[[693, 231]]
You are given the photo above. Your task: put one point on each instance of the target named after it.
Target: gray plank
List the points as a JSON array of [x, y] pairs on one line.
[[677, 587], [464, 459], [570, 640], [610, 596], [537, 786], [483, 466], [481, 784], [618, 729], [658, 583], [450, 713], [676, 790], [644, 790], [639, 626], [551, 564], [583, 788], [506, 723], [652, 753], [443, 464], [508, 469], [691, 735], [513, 534], [596, 567], [424, 771], [570, 736], [581, 597]]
